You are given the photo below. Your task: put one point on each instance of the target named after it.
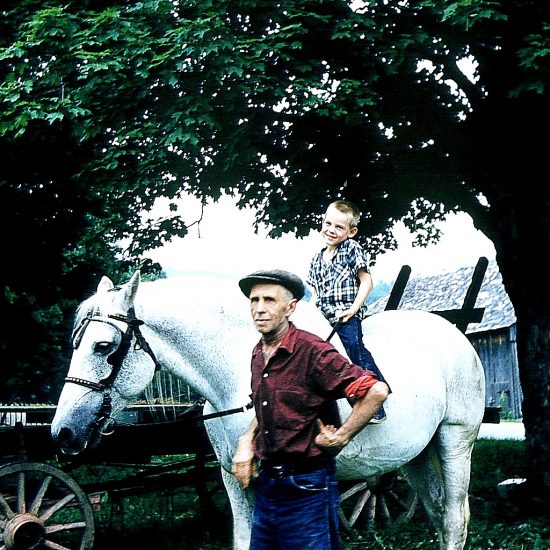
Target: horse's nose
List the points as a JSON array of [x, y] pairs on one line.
[[67, 442]]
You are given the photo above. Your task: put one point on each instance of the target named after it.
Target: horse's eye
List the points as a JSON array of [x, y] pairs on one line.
[[104, 348]]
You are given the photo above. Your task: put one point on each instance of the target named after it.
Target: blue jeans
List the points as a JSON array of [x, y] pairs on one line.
[[351, 334], [298, 512]]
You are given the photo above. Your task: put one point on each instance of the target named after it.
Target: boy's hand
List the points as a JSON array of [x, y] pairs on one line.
[[345, 315]]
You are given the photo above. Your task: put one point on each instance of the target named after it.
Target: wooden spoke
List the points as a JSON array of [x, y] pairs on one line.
[[382, 500], [42, 508]]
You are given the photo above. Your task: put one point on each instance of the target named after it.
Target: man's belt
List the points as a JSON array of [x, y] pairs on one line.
[[278, 470]]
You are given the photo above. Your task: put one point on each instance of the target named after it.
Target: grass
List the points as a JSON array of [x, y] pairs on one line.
[[176, 518]]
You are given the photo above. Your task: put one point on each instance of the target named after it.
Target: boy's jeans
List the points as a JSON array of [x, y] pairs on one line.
[[351, 335], [298, 512]]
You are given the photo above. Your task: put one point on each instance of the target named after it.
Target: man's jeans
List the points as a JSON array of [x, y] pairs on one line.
[[351, 335], [298, 512]]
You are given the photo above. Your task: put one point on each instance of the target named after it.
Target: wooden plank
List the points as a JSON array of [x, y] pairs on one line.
[[475, 284], [471, 294], [398, 288], [462, 316]]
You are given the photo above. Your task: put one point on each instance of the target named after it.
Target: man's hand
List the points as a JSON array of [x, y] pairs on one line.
[[245, 472], [244, 466], [330, 438], [335, 439]]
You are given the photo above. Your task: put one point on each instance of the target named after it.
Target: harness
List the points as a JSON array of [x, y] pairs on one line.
[[104, 420], [104, 423]]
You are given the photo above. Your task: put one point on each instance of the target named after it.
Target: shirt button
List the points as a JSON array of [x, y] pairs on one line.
[[264, 403], [266, 432], [266, 375]]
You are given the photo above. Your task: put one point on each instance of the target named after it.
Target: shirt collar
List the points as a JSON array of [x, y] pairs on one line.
[[342, 247], [288, 343]]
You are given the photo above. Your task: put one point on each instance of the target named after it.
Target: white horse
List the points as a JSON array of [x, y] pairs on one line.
[[202, 333]]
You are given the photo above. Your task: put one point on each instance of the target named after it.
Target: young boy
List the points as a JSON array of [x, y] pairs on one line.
[[339, 275]]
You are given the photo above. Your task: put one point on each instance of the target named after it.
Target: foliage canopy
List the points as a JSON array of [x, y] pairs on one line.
[[109, 106]]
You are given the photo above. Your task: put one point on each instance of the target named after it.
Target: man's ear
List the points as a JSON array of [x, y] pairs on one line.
[[291, 308], [353, 231]]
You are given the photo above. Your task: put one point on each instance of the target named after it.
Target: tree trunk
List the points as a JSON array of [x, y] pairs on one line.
[[533, 353], [522, 254]]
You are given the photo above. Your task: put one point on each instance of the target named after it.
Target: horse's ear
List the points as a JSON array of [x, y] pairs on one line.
[[129, 290], [105, 285]]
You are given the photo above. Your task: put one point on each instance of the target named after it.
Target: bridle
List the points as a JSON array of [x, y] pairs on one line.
[[104, 421]]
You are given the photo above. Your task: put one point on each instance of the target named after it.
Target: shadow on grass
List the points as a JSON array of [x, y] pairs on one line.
[[178, 520]]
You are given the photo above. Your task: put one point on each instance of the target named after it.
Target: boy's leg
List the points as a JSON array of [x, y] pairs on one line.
[[348, 334], [351, 335], [367, 361], [380, 414]]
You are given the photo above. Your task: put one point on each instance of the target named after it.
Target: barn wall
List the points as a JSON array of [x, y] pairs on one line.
[[498, 354]]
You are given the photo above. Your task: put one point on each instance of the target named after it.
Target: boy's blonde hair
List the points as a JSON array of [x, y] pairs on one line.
[[349, 209]]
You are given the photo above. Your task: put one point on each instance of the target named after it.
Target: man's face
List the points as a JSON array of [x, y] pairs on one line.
[[271, 306]]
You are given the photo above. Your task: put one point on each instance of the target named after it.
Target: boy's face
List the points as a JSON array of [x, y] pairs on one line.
[[336, 228]]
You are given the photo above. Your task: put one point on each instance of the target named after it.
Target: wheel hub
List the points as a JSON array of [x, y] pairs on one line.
[[24, 532]]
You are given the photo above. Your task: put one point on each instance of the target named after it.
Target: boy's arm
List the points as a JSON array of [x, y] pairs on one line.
[[365, 286], [311, 282]]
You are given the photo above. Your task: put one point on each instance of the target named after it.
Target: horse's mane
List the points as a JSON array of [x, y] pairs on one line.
[[86, 308]]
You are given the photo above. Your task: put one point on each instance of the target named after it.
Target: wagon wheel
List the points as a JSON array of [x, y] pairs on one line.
[[42, 508], [387, 500]]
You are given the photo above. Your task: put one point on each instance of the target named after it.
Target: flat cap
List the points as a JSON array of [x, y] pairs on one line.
[[291, 282]]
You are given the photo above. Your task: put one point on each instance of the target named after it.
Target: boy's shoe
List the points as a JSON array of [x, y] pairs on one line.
[[379, 416]]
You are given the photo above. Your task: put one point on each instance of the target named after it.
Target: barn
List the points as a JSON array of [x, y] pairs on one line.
[[494, 337]]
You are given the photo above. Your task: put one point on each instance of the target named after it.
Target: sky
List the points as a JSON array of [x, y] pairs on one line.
[[224, 244]]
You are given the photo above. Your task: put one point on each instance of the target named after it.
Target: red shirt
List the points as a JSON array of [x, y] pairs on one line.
[[297, 386]]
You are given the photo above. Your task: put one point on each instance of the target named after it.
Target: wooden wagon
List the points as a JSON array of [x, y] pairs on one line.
[[43, 507]]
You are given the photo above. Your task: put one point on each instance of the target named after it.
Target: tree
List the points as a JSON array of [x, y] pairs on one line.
[[290, 104]]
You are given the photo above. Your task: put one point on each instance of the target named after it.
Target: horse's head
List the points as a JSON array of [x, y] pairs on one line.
[[110, 367]]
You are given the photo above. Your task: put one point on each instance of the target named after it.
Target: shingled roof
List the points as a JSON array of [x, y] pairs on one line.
[[447, 291]]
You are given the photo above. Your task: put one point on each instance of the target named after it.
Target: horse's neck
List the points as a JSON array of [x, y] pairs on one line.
[[203, 341], [203, 334]]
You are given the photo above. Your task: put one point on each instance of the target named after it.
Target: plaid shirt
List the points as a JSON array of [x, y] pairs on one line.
[[336, 283]]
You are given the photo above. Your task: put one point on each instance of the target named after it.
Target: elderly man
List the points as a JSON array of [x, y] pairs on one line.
[[289, 448]]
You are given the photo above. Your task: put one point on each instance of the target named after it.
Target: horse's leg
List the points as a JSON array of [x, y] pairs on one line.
[[423, 473], [242, 503], [455, 443], [441, 478]]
